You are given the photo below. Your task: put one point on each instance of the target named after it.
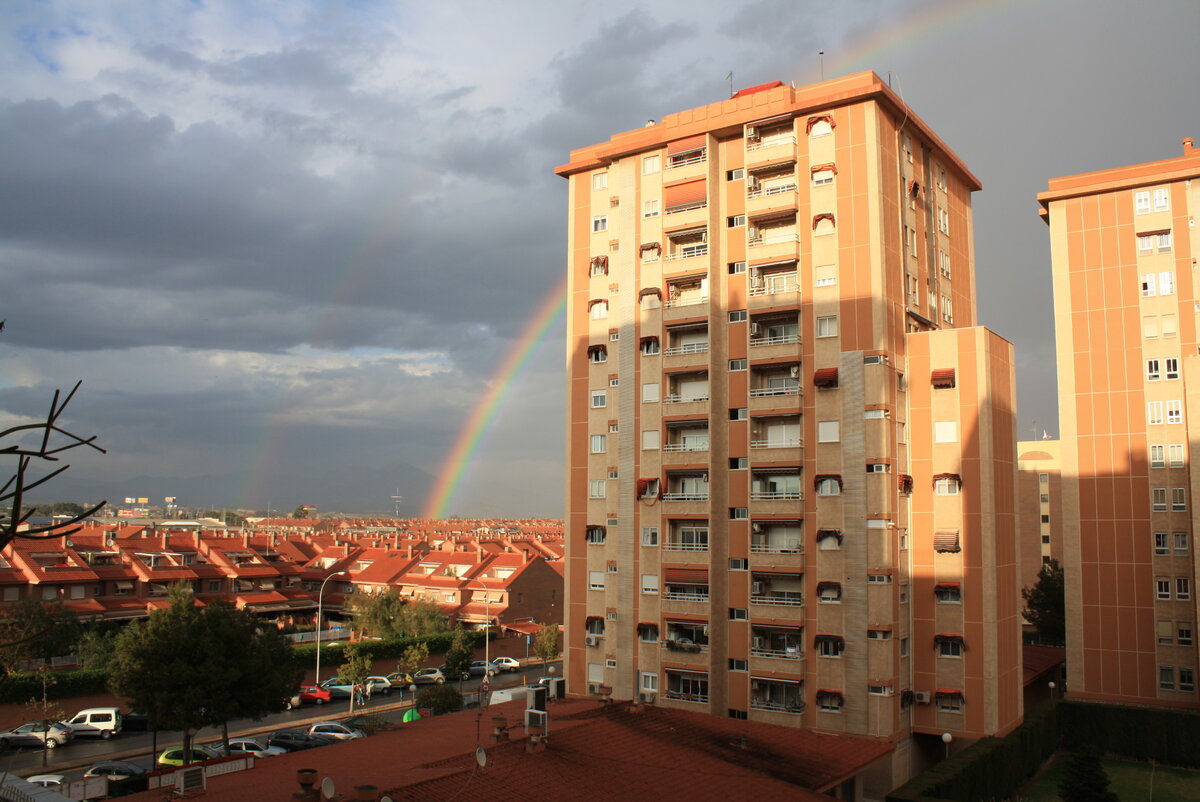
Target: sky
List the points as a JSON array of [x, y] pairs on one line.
[[288, 246]]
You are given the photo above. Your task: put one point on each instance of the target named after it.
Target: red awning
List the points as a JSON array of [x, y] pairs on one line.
[[693, 193], [597, 349], [653, 338], [817, 218], [688, 144], [952, 476], [820, 168], [772, 215], [946, 542], [826, 377], [686, 576], [820, 477], [946, 586], [943, 377], [942, 693], [650, 246], [1154, 233], [816, 118], [594, 618], [655, 291], [595, 301]]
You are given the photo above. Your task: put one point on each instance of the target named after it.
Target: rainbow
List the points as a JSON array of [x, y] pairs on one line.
[[450, 477]]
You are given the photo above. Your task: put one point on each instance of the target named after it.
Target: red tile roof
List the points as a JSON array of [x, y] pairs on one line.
[[1039, 660]]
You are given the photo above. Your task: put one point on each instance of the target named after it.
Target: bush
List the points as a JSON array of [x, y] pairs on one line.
[[20, 687], [305, 654], [440, 699]]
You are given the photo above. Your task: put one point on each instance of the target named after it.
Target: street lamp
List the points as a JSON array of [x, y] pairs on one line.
[[487, 613], [946, 739], [320, 601], [1052, 687]]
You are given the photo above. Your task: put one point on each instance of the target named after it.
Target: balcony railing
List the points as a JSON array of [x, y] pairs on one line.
[[685, 496], [691, 597], [763, 392], [781, 598], [794, 547], [680, 696], [680, 399], [784, 654], [778, 189], [676, 546], [690, 348], [776, 285], [771, 142], [687, 252], [682, 161], [689, 446], [773, 239], [780, 442], [776, 495], [778, 707], [684, 645], [686, 300], [687, 207], [782, 339]]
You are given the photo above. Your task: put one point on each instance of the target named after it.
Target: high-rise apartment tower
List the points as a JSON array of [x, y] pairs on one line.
[[1126, 307], [791, 452]]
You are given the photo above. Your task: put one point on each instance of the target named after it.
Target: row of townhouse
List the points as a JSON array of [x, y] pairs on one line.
[[111, 573]]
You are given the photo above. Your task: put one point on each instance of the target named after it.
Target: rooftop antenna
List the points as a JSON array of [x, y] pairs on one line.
[[821, 53], [729, 78], [396, 499]]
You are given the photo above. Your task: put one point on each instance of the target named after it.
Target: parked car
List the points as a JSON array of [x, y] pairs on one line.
[[97, 722], [479, 668], [135, 721], [338, 687], [399, 679], [335, 729], [296, 740], [47, 780], [248, 746], [174, 756], [292, 702], [506, 663], [37, 733], [312, 695], [115, 770], [428, 676], [381, 685]]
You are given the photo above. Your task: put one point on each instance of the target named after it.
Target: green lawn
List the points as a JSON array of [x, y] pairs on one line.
[[1128, 780]]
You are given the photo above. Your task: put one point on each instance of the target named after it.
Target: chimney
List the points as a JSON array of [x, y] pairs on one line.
[[307, 778], [245, 539], [166, 540], [1188, 148]]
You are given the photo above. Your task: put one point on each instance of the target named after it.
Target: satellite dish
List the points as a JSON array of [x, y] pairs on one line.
[[68, 543], [327, 788], [481, 756], [385, 798]]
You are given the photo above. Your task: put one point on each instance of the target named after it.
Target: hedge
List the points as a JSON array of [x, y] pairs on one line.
[[993, 768], [20, 687], [305, 654]]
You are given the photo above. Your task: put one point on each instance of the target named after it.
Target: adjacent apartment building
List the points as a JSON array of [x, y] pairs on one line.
[[791, 451], [1126, 303]]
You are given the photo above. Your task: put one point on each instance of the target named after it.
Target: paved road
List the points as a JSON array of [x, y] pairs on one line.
[[141, 747]]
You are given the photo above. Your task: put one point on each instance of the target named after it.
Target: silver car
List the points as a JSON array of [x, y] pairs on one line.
[[336, 729], [37, 733]]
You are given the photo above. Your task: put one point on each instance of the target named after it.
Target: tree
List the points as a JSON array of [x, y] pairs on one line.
[[96, 648], [1085, 779], [37, 630], [414, 657], [386, 615], [459, 655], [300, 512], [43, 708], [545, 643], [355, 670], [440, 699], [1045, 605]]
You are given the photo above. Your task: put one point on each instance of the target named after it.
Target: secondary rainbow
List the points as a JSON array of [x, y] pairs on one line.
[[450, 477]]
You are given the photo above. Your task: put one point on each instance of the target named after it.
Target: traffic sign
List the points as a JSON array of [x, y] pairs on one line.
[[486, 685]]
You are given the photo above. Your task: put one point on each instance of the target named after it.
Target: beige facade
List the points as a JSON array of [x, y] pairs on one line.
[[792, 467], [1124, 245], [1039, 506]]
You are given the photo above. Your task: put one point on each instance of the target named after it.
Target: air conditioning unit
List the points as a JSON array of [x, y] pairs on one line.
[[756, 528], [646, 698], [877, 467], [592, 640], [594, 688], [922, 697], [758, 588], [751, 182], [755, 329], [757, 642], [795, 371], [538, 718]]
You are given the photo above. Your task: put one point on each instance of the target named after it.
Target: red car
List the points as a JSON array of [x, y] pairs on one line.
[[312, 695]]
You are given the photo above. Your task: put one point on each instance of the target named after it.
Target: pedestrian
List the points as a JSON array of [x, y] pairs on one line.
[[370, 688], [358, 695]]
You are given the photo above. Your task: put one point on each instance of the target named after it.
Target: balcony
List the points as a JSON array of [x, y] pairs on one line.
[[793, 653], [794, 707], [777, 547], [778, 442], [775, 285], [779, 339], [683, 545], [691, 444], [771, 392], [685, 300], [686, 496], [686, 596], [780, 598], [689, 348], [777, 495], [684, 696]]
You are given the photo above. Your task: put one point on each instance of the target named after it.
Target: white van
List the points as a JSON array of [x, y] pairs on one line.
[[103, 722]]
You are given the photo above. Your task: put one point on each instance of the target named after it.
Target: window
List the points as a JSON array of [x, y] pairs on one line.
[[650, 346], [739, 413], [1161, 543], [1166, 631], [600, 223], [1161, 200], [739, 564], [1172, 368], [651, 165], [599, 312], [599, 443], [1141, 202], [1158, 456], [596, 488], [945, 431], [827, 326], [825, 275], [596, 535], [1184, 633], [737, 364], [1179, 499], [946, 487], [1181, 542], [1162, 588], [649, 535], [599, 181], [1174, 412], [596, 582], [1166, 283], [738, 614], [1183, 588], [828, 431], [1153, 373], [822, 177], [1148, 284], [649, 682], [947, 592], [1150, 327], [830, 646], [880, 579], [1154, 413], [735, 221], [648, 633], [1187, 679], [650, 393], [613, 474], [950, 647], [650, 440], [821, 127], [1164, 242], [737, 316], [599, 398], [1169, 326], [614, 382], [649, 583], [739, 513], [829, 486], [1166, 678], [879, 634], [1158, 499], [613, 428], [1145, 243], [735, 175], [650, 209], [734, 269], [614, 335], [944, 221]]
